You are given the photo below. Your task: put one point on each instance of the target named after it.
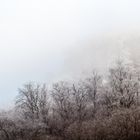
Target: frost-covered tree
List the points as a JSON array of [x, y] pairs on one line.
[[93, 86], [32, 102], [123, 84]]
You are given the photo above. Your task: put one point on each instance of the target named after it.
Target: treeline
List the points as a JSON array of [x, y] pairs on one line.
[[95, 108]]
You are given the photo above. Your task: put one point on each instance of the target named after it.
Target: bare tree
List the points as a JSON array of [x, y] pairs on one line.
[[80, 101], [93, 86], [33, 103], [62, 105], [123, 84]]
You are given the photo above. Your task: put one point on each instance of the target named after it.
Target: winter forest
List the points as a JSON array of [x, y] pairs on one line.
[[98, 107], [69, 69]]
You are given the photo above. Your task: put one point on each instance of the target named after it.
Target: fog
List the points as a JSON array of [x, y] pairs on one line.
[[45, 41]]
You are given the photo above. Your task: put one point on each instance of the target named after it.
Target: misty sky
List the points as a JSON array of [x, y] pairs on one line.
[[46, 40]]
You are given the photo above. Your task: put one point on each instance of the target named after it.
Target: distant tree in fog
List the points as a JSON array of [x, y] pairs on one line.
[[123, 84], [93, 86], [33, 101]]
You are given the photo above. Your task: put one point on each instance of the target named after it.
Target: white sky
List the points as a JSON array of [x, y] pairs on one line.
[[43, 40]]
